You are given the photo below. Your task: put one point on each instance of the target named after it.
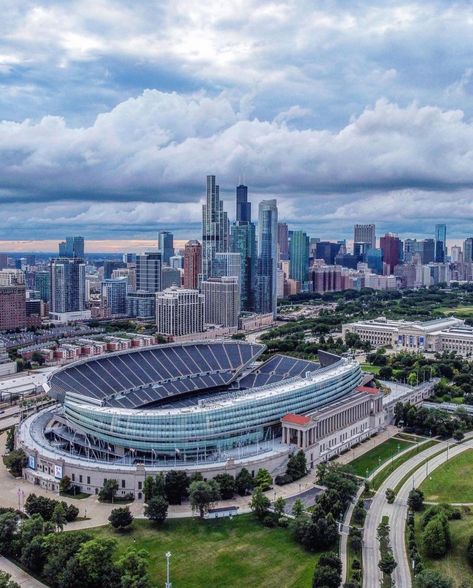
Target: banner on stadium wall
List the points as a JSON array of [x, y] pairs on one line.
[[31, 462], [58, 471]]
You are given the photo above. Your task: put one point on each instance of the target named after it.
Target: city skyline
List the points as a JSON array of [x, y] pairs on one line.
[[339, 112]]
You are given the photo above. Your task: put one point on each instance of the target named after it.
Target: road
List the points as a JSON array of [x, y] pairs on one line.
[[380, 507], [398, 514]]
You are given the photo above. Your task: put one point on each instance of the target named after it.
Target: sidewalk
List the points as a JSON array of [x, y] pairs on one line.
[[18, 575]]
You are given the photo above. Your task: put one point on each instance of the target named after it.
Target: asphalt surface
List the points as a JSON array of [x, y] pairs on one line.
[[380, 507]]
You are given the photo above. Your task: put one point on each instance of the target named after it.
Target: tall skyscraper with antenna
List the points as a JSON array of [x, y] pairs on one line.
[[215, 228]]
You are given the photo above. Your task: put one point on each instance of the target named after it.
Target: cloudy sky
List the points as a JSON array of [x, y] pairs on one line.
[[112, 113]]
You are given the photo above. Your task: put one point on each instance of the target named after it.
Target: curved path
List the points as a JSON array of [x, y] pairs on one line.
[[398, 514], [380, 507]]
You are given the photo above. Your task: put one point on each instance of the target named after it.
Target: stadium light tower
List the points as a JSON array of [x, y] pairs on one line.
[[168, 557]]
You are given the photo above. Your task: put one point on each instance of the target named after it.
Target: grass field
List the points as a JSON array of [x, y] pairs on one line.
[[454, 564], [367, 463], [452, 481], [460, 311], [372, 369], [389, 469], [224, 553]]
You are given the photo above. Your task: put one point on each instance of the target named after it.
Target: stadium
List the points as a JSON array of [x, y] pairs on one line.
[[202, 406]]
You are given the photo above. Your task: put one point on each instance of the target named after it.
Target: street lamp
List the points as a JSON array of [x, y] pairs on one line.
[[168, 582]]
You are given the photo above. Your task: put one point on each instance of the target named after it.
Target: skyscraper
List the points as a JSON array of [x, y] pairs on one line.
[[468, 250], [192, 264], [42, 283], [148, 272], [243, 241], [67, 279], [283, 241], [12, 307], [391, 246], [72, 247], [222, 301], [440, 243], [365, 234], [114, 293], [266, 277], [166, 245], [299, 254], [243, 207], [215, 227], [179, 312]]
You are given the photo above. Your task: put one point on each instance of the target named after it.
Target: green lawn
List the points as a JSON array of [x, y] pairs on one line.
[[372, 369], [367, 463], [452, 481], [454, 564], [465, 311], [389, 469], [223, 553]]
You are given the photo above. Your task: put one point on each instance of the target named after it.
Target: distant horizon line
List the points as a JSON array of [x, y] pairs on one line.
[[93, 246]]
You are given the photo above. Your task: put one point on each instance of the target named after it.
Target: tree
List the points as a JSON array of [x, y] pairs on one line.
[[157, 509], [6, 581], [203, 495], [390, 495], [356, 540], [297, 508], [60, 548], [176, 486], [15, 461], [279, 506], [226, 483], [415, 500], [436, 538], [328, 573], [359, 513], [458, 435], [432, 579], [133, 569], [65, 484], [244, 482], [108, 491], [120, 518], [149, 487], [93, 566], [10, 441], [297, 465], [40, 505], [263, 480], [469, 550], [387, 563], [58, 517], [8, 527], [259, 503]]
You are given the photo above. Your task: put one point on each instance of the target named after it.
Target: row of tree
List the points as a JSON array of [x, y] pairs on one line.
[[51, 510], [70, 560]]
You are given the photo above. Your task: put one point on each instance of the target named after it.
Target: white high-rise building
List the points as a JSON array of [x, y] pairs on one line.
[[222, 301], [179, 311], [67, 288]]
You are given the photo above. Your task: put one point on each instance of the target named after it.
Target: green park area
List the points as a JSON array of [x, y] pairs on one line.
[[225, 553], [459, 311], [452, 481], [369, 461], [454, 564]]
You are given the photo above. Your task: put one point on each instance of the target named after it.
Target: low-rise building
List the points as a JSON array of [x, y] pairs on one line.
[[445, 334]]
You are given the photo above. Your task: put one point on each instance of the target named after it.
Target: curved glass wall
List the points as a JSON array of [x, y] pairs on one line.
[[231, 423]]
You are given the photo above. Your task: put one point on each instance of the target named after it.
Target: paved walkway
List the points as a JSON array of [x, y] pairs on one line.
[[344, 533], [20, 576]]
